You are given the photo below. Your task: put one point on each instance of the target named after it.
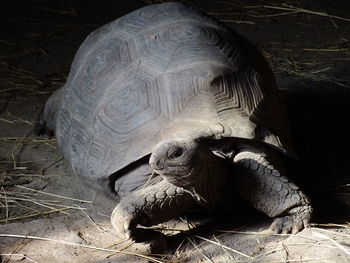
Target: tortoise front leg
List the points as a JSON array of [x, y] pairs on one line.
[[149, 206], [261, 179]]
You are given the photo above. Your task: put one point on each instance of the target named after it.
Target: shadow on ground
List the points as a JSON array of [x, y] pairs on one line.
[[319, 115]]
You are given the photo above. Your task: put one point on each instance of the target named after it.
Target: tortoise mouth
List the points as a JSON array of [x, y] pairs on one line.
[[157, 167], [159, 164], [171, 170]]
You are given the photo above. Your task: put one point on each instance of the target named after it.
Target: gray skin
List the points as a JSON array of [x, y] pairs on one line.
[[162, 82], [191, 173]]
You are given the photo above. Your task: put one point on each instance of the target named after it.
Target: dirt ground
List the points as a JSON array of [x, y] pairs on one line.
[[49, 215]]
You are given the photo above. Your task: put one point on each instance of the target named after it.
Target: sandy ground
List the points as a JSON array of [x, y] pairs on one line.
[[53, 216]]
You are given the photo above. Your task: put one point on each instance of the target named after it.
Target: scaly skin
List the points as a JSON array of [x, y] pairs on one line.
[[149, 206], [267, 188], [191, 174], [196, 169]]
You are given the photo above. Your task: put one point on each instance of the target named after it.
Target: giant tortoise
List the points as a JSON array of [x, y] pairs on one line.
[[167, 107]]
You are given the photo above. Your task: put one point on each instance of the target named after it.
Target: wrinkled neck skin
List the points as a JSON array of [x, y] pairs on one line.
[[206, 178]]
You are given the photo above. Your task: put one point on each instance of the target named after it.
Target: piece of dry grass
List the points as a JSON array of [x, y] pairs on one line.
[[265, 233], [53, 195], [18, 246], [327, 49], [325, 237], [16, 139], [224, 247], [69, 11], [98, 227], [18, 257], [15, 150], [34, 203], [43, 170], [7, 121], [334, 232], [260, 258], [200, 251], [239, 9], [150, 258], [23, 83], [331, 225], [9, 219], [304, 70], [237, 21], [19, 119], [231, 258], [291, 8]]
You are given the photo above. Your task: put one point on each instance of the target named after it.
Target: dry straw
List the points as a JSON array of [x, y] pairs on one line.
[[150, 258]]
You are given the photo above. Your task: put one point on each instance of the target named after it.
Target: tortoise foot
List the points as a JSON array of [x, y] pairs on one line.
[[262, 180], [149, 206], [123, 218], [297, 220]]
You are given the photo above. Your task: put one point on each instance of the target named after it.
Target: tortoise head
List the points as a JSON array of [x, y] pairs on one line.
[[179, 161]]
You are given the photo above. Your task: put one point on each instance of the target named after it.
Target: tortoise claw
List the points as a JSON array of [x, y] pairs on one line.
[[297, 220], [122, 221]]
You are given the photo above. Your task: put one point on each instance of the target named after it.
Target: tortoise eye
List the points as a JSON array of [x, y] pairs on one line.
[[174, 153]]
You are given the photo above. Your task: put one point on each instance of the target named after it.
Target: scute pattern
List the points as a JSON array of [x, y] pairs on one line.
[[97, 156], [78, 139], [63, 124], [147, 75], [246, 100], [179, 90], [141, 93], [112, 53]]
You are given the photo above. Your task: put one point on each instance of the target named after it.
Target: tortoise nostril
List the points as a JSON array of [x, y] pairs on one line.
[[174, 152]]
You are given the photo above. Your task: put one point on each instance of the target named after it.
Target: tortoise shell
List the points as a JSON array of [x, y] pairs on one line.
[[161, 72]]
